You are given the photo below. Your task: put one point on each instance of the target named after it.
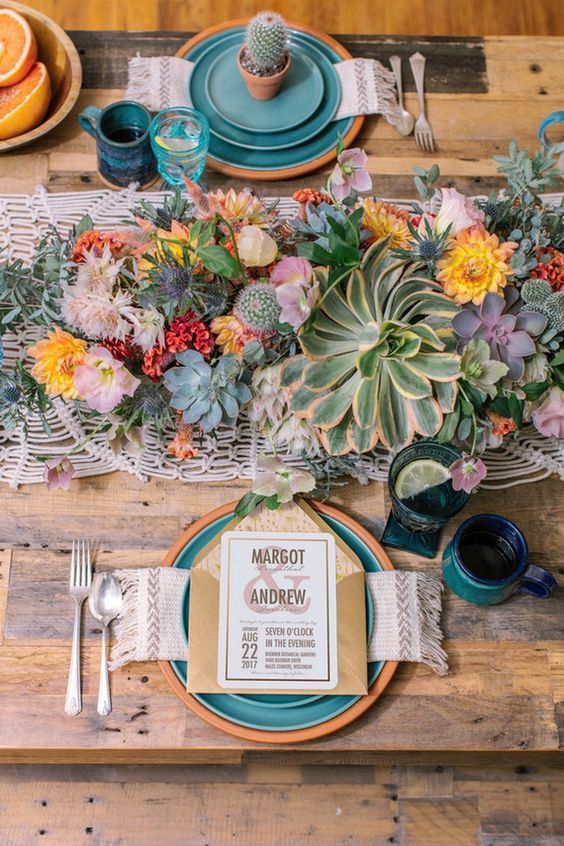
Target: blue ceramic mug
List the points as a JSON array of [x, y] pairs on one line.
[[123, 145], [556, 148], [486, 561]]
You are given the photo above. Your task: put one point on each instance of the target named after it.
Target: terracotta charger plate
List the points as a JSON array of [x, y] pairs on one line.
[[290, 172], [296, 735]]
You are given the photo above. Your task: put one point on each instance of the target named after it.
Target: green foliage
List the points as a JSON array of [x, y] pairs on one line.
[[425, 180], [148, 405], [526, 175], [30, 293], [175, 207], [20, 396], [251, 501]]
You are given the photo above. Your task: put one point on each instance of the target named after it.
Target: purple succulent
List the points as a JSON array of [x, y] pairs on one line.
[[508, 332]]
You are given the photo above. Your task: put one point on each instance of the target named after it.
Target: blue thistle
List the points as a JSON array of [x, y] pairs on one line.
[[174, 281], [10, 394], [429, 250]]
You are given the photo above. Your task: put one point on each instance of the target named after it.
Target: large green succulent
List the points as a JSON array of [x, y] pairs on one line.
[[376, 364]]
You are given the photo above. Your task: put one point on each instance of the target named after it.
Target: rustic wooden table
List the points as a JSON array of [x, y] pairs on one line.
[[501, 702]]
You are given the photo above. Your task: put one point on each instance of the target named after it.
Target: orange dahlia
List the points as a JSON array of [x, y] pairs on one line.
[[552, 270], [93, 240], [383, 219], [57, 356], [474, 265], [501, 425], [181, 445]]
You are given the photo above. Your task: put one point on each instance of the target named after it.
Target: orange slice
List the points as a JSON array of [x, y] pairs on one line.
[[23, 105], [18, 47]]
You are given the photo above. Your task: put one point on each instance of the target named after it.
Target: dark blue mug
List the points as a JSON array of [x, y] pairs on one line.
[[123, 144], [486, 562]]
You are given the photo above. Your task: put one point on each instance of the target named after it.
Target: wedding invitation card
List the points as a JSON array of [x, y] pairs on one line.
[[277, 611], [280, 598]]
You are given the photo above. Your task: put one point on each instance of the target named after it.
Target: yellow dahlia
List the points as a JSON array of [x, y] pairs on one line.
[[238, 208], [383, 219], [231, 334], [475, 265], [57, 357]]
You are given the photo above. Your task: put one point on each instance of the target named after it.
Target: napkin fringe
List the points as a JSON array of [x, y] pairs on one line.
[[429, 594], [140, 79], [126, 628], [387, 95]]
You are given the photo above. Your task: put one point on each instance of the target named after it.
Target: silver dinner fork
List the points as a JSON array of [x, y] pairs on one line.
[[423, 132], [79, 587]]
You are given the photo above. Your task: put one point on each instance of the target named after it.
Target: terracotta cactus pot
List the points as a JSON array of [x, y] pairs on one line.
[[263, 87]]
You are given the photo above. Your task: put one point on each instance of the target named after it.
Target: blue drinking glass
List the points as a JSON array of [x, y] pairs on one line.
[[415, 523], [180, 138]]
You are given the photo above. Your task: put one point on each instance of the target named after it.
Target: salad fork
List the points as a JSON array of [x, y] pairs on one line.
[[423, 132], [79, 587]]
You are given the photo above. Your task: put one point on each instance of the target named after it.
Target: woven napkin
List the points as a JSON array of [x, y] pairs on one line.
[[367, 87], [407, 611]]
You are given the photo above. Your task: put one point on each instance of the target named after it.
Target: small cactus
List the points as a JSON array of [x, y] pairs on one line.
[[267, 42], [257, 307], [540, 297], [536, 291]]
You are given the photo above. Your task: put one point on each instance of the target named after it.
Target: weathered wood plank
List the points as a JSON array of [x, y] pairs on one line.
[[199, 814], [453, 64]]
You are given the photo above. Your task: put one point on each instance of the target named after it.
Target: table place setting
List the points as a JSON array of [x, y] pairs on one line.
[[284, 622], [295, 342]]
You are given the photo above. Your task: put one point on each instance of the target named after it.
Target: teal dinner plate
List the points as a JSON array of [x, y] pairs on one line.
[[269, 712], [300, 94], [244, 157]]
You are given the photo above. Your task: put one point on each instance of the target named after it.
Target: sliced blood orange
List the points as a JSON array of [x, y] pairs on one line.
[[23, 105], [18, 47]]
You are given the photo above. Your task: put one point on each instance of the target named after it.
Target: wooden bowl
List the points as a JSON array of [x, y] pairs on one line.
[[59, 55]]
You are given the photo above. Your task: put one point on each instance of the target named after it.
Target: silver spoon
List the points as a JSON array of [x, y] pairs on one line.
[[105, 601], [407, 121]]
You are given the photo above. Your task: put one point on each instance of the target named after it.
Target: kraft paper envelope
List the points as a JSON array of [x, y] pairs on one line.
[[204, 604]]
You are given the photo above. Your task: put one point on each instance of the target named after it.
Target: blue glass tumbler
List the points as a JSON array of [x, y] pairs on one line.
[[180, 138], [415, 524]]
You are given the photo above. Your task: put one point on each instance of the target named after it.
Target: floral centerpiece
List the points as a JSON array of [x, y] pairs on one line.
[[357, 323]]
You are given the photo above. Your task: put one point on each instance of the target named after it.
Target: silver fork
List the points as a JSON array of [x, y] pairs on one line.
[[79, 587], [423, 132]]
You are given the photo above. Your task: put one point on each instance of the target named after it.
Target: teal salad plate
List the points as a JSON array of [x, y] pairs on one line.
[[269, 712], [326, 131], [299, 97]]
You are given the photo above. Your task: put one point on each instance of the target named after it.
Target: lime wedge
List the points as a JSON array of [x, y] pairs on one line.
[[419, 476]]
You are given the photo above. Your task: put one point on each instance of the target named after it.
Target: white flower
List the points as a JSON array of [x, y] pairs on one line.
[[536, 369], [99, 314], [148, 327], [255, 247], [296, 435], [274, 478], [269, 402], [98, 271], [457, 211]]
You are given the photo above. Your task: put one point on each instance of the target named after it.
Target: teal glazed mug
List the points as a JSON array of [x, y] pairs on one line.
[[486, 562], [123, 145]]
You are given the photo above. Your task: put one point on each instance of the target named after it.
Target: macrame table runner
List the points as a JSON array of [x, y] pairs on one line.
[[223, 456]]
